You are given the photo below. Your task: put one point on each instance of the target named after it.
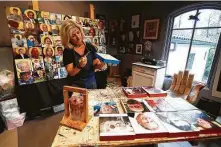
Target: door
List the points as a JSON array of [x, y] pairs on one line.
[[141, 79]]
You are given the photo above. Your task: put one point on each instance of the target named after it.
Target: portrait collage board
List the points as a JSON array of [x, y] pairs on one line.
[[153, 117], [37, 47]]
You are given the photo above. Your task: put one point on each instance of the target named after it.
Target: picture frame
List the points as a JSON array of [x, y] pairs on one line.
[[122, 50], [139, 49], [151, 28], [135, 21]]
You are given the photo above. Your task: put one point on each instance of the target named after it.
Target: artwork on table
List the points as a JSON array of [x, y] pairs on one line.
[[180, 104], [55, 19], [18, 40], [35, 36], [20, 53], [135, 22], [154, 92], [139, 49], [62, 73], [159, 105], [109, 107], [122, 49], [76, 102], [130, 48], [117, 125], [134, 105], [35, 52], [147, 124], [33, 41], [134, 92], [151, 29]]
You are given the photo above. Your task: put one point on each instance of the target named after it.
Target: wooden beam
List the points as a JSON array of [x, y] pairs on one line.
[[91, 6], [35, 5]]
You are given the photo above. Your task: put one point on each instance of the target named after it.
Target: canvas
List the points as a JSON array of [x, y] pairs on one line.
[[134, 105], [159, 105]]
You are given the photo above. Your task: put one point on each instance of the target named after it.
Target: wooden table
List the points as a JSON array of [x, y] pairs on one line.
[[90, 135]]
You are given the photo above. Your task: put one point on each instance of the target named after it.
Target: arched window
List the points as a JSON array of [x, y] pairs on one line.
[[192, 41]]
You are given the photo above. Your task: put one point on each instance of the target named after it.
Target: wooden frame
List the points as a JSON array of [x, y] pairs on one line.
[[139, 49], [151, 28], [135, 21], [67, 121]]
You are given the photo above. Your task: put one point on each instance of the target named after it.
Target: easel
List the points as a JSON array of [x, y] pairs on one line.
[[66, 120]]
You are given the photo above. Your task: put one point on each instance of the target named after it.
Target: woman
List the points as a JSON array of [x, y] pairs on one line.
[[78, 56]]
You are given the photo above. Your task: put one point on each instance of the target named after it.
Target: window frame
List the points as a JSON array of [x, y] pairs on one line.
[[169, 31]]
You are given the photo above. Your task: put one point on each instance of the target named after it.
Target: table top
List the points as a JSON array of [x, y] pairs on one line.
[[149, 66], [90, 135]]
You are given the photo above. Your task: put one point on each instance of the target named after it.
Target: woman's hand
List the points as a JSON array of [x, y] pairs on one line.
[[82, 61]]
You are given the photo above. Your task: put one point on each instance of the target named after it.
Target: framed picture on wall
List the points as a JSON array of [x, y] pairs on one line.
[[139, 49], [151, 28], [135, 21]]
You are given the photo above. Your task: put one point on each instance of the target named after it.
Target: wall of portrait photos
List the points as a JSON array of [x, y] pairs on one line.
[[37, 48]]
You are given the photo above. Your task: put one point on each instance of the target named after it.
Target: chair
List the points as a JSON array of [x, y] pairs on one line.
[[182, 86]]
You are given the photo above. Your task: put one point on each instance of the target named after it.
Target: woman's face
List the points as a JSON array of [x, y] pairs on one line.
[[48, 41], [49, 52], [106, 109], [204, 124], [76, 37], [138, 107], [34, 53]]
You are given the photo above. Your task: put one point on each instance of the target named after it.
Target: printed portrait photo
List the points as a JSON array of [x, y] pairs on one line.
[[33, 41], [14, 13], [30, 28], [23, 65], [48, 52], [44, 17], [46, 41], [38, 64], [139, 49], [59, 52], [62, 73], [135, 105], [39, 76], [57, 40], [105, 108], [25, 78], [147, 121], [96, 41], [55, 29], [45, 29], [20, 53], [29, 15], [18, 40], [102, 40], [117, 125], [86, 22], [35, 52], [55, 19], [88, 39]]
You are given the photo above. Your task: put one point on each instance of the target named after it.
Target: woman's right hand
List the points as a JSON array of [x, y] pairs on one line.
[[82, 61]]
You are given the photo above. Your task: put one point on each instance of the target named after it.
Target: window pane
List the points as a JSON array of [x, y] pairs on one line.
[[204, 47], [182, 21], [209, 18], [178, 56]]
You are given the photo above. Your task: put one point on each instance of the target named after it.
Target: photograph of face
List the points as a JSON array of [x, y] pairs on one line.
[[100, 24], [105, 108], [102, 40], [20, 53], [23, 65], [139, 49], [135, 105], [18, 40], [57, 40], [55, 29], [86, 22], [29, 15], [96, 41], [25, 78], [35, 52], [45, 29], [32, 41], [55, 18], [115, 125], [39, 76], [30, 28], [147, 121], [174, 121], [44, 17], [88, 39], [16, 27], [46, 41], [38, 64], [59, 50], [62, 73], [48, 52], [76, 103], [13, 13]]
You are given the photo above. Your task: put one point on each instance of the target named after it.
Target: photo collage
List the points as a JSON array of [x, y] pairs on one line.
[[36, 43]]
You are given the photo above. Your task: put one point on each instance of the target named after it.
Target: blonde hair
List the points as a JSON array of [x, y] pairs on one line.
[[65, 31]]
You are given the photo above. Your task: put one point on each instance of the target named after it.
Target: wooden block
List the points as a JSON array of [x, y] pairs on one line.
[[179, 78], [184, 82], [173, 82]]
